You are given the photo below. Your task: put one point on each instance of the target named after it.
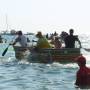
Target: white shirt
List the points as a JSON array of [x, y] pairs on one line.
[[22, 40]]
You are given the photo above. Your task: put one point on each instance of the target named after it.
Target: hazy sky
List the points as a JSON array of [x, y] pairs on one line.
[[45, 15]]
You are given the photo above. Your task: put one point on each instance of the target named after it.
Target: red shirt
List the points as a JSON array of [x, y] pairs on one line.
[[83, 76]]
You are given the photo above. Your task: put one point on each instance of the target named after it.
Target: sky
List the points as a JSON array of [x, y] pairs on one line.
[[47, 16]]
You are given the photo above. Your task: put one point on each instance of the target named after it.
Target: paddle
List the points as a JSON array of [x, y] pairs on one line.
[[34, 41], [87, 49], [5, 50]]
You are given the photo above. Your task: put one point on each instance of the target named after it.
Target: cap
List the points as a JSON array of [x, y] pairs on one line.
[[81, 59]]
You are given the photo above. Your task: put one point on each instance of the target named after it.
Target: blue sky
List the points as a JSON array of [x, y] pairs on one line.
[[45, 15]]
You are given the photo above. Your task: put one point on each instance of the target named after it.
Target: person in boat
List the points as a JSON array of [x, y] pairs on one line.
[[55, 33], [63, 35], [42, 42], [47, 36], [21, 39], [57, 43], [83, 74], [70, 40]]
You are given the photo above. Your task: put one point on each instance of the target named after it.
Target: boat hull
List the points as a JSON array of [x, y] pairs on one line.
[[63, 55], [21, 52]]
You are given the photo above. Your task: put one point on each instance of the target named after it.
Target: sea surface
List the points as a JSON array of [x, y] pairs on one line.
[[22, 75]]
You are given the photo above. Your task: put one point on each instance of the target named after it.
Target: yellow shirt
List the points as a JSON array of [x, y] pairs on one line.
[[43, 43]]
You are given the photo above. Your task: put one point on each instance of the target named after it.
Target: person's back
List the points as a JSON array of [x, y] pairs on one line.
[[83, 74], [42, 41], [83, 77], [21, 39], [70, 40], [57, 43]]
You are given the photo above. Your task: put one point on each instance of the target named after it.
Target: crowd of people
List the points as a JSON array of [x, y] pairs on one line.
[[52, 41], [56, 41]]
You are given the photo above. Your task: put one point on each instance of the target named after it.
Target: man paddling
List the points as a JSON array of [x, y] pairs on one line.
[[22, 39], [70, 40]]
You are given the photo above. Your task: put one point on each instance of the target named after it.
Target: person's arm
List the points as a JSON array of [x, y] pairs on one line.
[[16, 40], [13, 43], [79, 43]]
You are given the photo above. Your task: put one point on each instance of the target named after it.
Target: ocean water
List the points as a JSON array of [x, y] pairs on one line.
[[22, 75]]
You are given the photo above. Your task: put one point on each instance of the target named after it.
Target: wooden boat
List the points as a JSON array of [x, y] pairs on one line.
[[21, 52], [63, 55]]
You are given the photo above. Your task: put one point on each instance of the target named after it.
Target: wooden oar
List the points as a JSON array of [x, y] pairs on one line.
[[87, 49], [34, 41], [5, 50]]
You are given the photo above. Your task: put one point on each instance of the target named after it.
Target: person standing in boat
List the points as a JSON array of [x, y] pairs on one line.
[[21, 38], [42, 41], [83, 74], [70, 40]]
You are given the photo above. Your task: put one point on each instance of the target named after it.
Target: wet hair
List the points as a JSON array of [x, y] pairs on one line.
[[81, 59], [19, 32], [71, 30]]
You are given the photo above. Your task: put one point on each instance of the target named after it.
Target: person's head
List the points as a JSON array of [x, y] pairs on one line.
[[71, 31], [39, 35], [19, 32], [56, 38], [81, 60]]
